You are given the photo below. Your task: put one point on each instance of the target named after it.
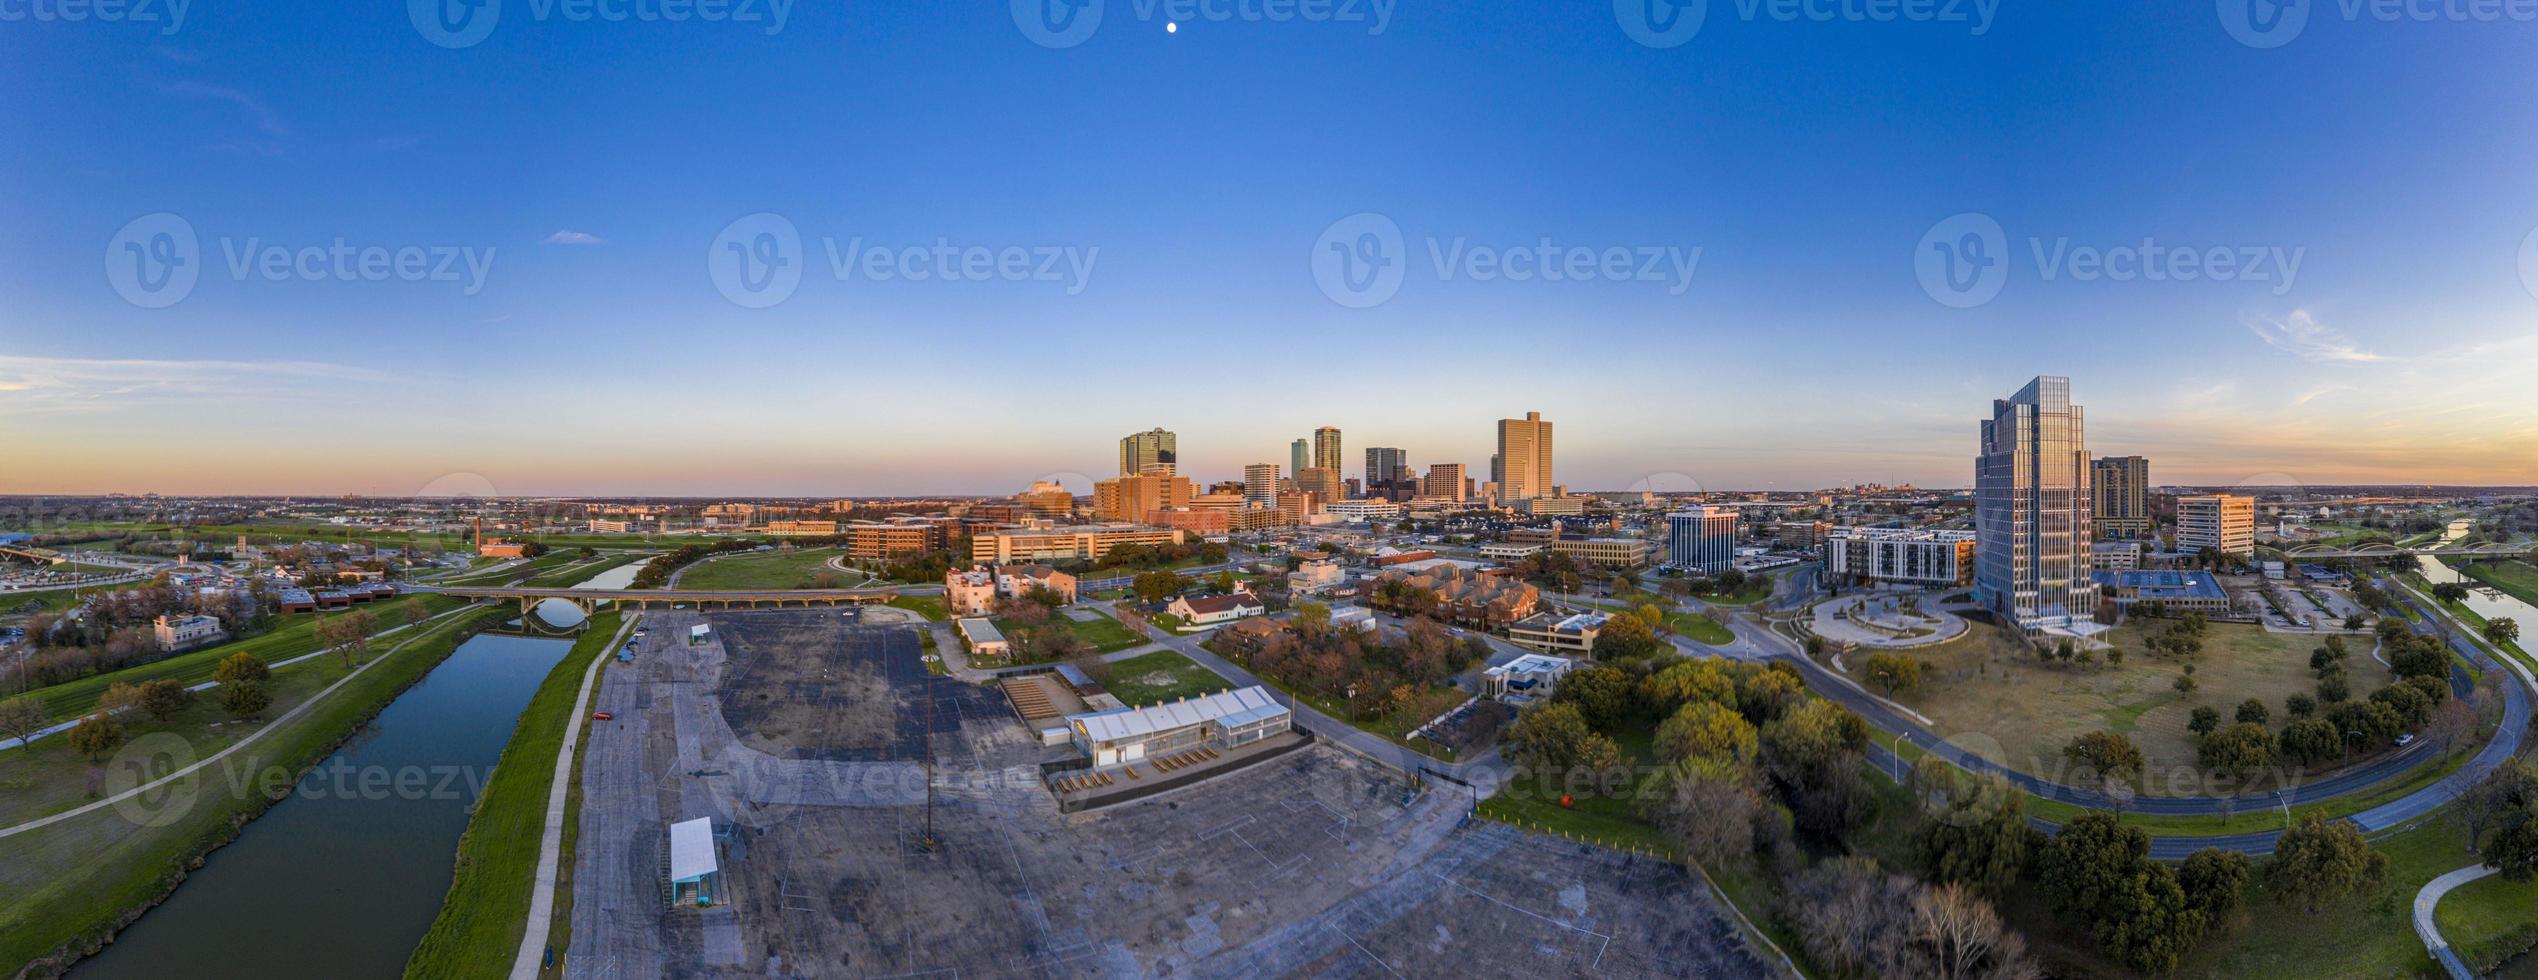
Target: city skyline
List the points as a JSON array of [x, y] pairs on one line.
[[1807, 177]]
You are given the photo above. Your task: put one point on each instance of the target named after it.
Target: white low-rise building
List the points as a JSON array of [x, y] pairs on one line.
[[1533, 675], [1226, 720]]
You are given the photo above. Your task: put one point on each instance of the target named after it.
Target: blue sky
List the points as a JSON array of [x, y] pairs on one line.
[[1195, 173]]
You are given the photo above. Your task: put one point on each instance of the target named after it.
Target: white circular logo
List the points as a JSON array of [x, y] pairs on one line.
[[1661, 23], [454, 23], [1359, 260], [2529, 263], [1963, 261], [153, 262], [143, 761], [757, 260], [1057, 23], [2262, 24]]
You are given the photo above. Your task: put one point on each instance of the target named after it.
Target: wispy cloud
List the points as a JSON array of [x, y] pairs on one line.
[[2301, 334], [568, 236], [49, 385], [262, 116]]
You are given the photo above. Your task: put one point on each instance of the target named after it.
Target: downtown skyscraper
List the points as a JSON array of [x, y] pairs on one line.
[[1151, 449], [1523, 467], [1326, 448], [2032, 512], [1385, 465]]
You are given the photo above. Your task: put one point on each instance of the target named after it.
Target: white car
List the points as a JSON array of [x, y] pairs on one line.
[[2405, 740]]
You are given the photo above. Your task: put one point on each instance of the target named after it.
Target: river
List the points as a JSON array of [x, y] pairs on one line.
[[342, 878], [564, 615], [2488, 601]]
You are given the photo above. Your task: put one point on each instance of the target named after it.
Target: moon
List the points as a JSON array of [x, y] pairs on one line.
[[1171, 27]]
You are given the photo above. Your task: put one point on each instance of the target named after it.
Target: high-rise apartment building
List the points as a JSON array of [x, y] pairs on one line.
[[1326, 449], [1386, 465], [1260, 484], [1445, 480], [1152, 449], [1702, 541], [2119, 487], [2223, 522], [1524, 457], [2032, 509], [1299, 456]]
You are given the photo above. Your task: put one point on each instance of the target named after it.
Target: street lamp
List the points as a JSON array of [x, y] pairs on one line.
[[2349, 736]]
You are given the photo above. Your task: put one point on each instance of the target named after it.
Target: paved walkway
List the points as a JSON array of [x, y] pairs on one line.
[[2429, 899], [551, 843]]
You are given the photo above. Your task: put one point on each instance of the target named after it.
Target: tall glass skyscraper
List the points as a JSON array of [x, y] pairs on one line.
[[1385, 464], [1300, 457], [2031, 511], [1701, 541], [1151, 449], [1326, 449]]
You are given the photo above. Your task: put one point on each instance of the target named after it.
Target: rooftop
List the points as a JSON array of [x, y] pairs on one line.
[[1227, 708]]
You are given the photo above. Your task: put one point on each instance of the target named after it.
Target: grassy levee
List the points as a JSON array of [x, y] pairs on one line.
[[2517, 578], [487, 909], [70, 699], [74, 883], [2489, 921], [797, 569], [580, 570]]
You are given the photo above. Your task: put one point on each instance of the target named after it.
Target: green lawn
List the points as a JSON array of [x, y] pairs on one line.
[[798, 569], [70, 881], [1163, 675], [487, 909], [927, 606], [1104, 635], [1699, 628], [581, 571], [533, 567], [2489, 920], [2518, 578], [297, 635]]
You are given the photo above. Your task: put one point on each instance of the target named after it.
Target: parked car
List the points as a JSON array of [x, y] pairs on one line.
[[2405, 740]]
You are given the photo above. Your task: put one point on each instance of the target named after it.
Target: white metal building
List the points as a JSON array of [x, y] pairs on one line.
[[1226, 719]]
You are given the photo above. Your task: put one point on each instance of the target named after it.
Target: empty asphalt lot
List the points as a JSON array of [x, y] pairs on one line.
[[1313, 864]]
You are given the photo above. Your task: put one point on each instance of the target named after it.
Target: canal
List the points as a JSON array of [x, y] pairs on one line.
[[344, 876]]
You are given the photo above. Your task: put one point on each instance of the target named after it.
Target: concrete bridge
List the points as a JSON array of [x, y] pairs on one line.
[[32, 553], [589, 599]]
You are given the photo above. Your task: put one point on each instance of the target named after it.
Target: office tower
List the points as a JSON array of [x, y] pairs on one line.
[[1260, 484], [2031, 511], [2223, 522], [1326, 448], [1445, 480], [1322, 484], [1047, 499], [1702, 541], [1385, 465], [1151, 449], [2119, 487], [1524, 457], [1139, 498]]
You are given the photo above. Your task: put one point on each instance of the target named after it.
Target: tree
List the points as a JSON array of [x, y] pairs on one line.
[[1710, 807], [2316, 862], [2449, 592], [2311, 740], [2214, 880], [1625, 637], [1813, 754], [1706, 730], [1705, 679], [2299, 705], [2501, 630], [97, 736], [1895, 672], [2236, 750], [2205, 719], [1552, 739], [23, 716], [1157, 586], [2251, 711], [241, 666], [2099, 870], [2110, 755], [1601, 694], [119, 698], [245, 698], [1854, 919], [2334, 690], [1974, 827], [161, 699], [2452, 725]]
